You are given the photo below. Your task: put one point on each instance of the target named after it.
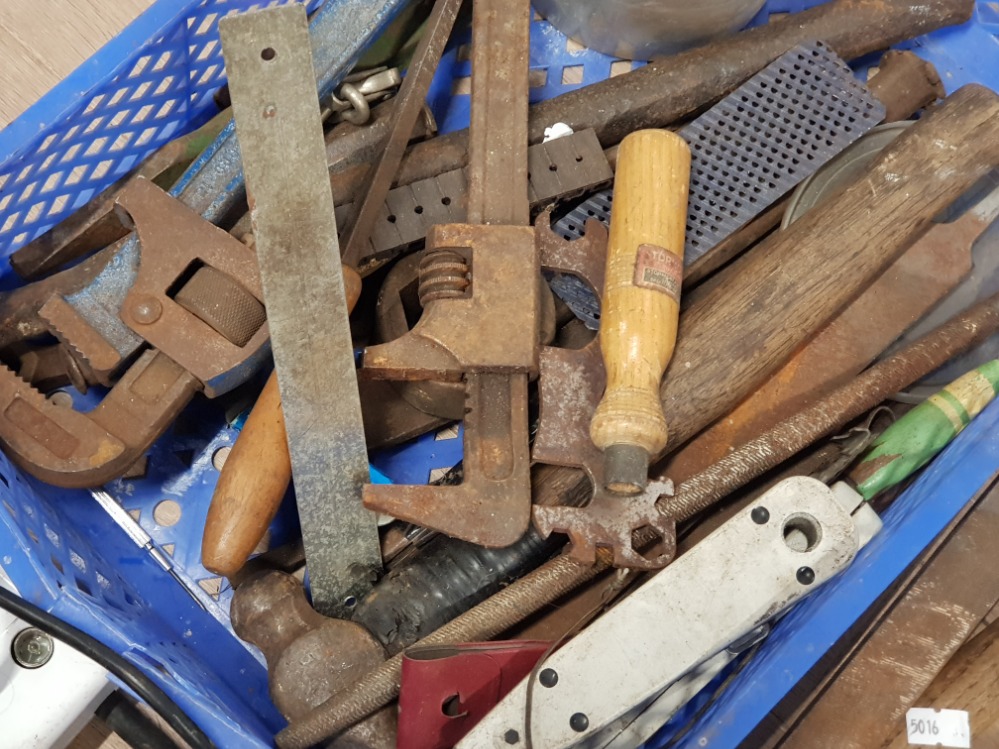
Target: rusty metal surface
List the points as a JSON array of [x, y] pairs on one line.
[[407, 109], [268, 57], [309, 656], [669, 89], [569, 389], [71, 449], [501, 305], [390, 420], [398, 304], [482, 306], [497, 147], [560, 169], [173, 240], [610, 521], [846, 402], [492, 505]]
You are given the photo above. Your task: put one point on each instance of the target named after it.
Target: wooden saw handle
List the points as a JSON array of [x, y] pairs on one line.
[[641, 302], [255, 476]]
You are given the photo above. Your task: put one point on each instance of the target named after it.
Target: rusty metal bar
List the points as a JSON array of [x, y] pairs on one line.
[[497, 149], [409, 102], [846, 402]]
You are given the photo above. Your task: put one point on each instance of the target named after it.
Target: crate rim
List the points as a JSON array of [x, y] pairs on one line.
[[30, 127]]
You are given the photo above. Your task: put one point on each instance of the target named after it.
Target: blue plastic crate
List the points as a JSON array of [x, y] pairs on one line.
[[153, 82]]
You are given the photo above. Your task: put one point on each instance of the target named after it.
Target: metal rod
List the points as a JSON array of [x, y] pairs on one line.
[[408, 105]]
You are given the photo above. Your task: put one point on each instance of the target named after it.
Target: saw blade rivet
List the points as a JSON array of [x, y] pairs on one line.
[[760, 515], [511, 737], [805, 575], [579, 722], [548, 677]]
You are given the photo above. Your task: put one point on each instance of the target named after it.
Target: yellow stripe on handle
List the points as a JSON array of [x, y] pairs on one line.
[[641, 302]]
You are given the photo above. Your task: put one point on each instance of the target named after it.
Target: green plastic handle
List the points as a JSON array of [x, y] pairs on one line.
[[913, 440]]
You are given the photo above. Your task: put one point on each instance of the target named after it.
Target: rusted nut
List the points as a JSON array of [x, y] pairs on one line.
[[146, 310]]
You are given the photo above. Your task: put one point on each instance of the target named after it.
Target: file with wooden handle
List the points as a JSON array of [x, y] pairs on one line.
[[641, 302]]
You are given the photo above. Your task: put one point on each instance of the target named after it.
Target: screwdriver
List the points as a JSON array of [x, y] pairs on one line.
[[141, 539], [641, 302]]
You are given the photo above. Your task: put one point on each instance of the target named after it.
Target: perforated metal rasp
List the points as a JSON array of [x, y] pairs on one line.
[[751, 148]]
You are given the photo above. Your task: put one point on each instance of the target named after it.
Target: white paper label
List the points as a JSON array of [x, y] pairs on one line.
[[928, 727]]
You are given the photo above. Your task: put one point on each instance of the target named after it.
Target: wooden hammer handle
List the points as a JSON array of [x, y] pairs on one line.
[[255, 476], [641, 301]]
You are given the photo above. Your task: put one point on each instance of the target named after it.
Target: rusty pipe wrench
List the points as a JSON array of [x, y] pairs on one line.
[[196, 301], [281, 141], [481, 298], [213, 185]]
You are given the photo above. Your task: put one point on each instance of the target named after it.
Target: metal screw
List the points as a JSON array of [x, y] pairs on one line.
[[511, 737], [760, 515], [146, 311], [31, 648], [579, 722], [805, 575], [548, 677]]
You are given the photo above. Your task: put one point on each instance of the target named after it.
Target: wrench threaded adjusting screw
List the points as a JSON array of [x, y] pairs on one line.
[[146, 310], [760, 515], [444, 274], [805, 575], [548, 677], [579, 722]]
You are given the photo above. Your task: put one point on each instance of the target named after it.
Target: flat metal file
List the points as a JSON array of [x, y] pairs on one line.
[[281, 140]]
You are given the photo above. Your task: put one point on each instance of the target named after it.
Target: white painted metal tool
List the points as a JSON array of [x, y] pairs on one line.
[[681, 622]]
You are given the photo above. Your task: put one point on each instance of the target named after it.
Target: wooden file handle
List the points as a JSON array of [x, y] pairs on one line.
[[641, 302], [255, 476]]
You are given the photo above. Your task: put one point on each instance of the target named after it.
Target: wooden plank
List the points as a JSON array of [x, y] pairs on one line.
[[45, 40]]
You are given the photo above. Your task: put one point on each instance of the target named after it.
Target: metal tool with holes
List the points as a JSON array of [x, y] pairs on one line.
[[278, 124], [407, 108], [751, 148], [569, 388], [801, 532], [642, 295], [196, 305], [479, 284]]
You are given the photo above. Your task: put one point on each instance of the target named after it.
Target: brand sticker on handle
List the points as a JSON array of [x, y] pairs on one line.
[[659, 269], [925, 726]]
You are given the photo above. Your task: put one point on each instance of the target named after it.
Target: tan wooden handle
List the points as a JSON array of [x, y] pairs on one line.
[[255, 476], [641, 301]]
